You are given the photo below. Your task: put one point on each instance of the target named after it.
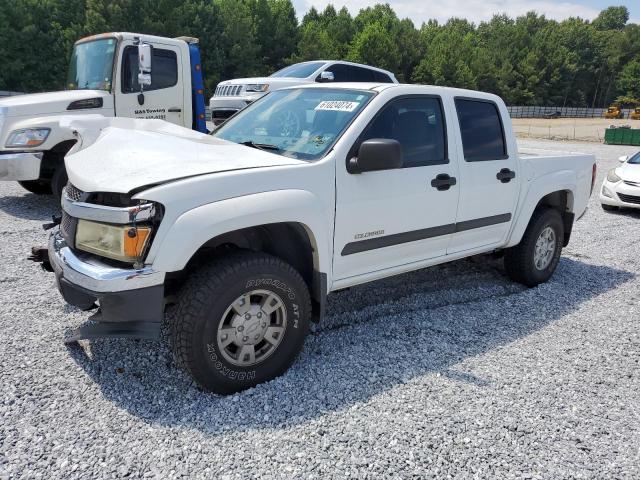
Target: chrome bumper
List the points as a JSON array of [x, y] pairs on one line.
[[94, 275], [20, 166]]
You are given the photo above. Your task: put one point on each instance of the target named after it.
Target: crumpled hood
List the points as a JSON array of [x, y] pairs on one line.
[[630, 172], [36, 104], [122, 154]]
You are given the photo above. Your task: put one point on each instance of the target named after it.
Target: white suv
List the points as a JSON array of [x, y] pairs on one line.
[[233, 95]]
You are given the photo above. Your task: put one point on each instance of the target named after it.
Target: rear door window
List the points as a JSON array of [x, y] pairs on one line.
[[481, 130]]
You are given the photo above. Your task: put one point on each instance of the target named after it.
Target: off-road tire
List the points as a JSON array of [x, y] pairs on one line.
[[36, 186], [519, 260], [202, 303], [58, 181]]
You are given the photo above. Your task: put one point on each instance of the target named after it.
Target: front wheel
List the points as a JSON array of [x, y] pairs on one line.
[[608, 208], [536, 257], [58, 181], [240, 321]]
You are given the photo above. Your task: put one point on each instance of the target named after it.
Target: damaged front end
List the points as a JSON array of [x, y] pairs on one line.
[[97, 254]]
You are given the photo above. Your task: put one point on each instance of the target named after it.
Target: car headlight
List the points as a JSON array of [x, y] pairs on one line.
[[119, 242], [257, 87], [612, 177], [27, 137]]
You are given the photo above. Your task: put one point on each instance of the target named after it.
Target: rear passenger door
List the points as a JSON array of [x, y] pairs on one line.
[[489, 177], [396, 217]]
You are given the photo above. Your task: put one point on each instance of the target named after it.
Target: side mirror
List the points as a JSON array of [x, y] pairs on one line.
[[623, 158], [326, 76], [144, 64], [376, 154]]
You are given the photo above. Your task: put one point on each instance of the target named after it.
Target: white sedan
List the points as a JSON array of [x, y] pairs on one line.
[[621, 187]]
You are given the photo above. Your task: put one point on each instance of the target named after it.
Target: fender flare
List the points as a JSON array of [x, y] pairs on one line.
[[173, 248], [564, 180]]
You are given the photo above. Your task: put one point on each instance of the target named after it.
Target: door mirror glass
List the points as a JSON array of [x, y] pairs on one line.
[[326, 76], [376, 154], [144, 64], [623, 158]]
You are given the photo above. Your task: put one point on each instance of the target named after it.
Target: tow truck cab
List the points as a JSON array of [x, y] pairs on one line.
[[103, 79]]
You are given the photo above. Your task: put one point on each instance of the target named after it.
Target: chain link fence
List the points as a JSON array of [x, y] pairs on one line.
[[561, 112]]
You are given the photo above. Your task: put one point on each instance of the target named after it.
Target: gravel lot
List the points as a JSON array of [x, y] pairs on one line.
[[452, 372]]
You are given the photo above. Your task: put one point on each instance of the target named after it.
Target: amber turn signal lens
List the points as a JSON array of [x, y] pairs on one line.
[[135, 241]]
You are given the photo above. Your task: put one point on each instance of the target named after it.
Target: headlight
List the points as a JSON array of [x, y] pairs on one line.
[[257, 87], [123, 242], [612, 177], [28, 137]]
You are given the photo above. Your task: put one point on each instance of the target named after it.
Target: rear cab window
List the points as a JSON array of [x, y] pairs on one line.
[[481, 129]]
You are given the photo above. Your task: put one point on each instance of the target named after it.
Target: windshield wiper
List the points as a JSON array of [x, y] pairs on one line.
[[260, 146]]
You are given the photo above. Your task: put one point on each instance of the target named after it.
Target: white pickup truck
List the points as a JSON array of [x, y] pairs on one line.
[[246, 231]]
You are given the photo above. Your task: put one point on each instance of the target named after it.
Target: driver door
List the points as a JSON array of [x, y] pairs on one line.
[[164, 98], [395, 217]]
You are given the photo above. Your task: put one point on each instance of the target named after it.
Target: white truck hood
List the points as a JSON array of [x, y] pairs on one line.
[[122, 154], [50, 103]]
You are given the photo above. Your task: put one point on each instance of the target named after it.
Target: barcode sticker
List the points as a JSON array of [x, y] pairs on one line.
[[337, 105]]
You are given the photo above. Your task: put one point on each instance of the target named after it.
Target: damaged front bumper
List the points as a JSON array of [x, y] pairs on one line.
[[131, 300]]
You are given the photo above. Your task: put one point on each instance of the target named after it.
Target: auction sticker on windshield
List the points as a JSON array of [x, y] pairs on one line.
[[337, 105]]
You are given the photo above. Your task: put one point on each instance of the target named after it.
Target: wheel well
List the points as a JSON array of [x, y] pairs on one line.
[[562, 201], [54, 157], [289, 241]]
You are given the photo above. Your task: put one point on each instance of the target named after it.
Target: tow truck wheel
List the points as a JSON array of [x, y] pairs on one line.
[[240, 321], [36, 186], [536, 257], [58, 181]]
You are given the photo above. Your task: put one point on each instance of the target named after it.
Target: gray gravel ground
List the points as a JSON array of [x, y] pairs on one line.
[[451, 372]]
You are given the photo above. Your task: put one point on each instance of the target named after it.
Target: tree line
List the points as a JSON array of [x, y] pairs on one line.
[[528, 60]]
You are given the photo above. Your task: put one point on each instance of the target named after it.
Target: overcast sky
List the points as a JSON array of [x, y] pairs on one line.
[[478, 10]]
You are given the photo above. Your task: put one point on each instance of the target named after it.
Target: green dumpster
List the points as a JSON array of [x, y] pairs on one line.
[[622, 136]]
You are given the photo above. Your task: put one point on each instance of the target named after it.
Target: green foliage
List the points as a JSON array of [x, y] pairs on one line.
[[629, 79], [527, 60]]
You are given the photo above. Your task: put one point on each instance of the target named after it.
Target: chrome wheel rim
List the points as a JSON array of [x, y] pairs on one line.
[[252, 327], [545, 248]]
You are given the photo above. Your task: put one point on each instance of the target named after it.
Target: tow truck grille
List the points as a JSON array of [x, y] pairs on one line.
[[629, 198]]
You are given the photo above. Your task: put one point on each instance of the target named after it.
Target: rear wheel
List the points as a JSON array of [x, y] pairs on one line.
[[240, 321], [36, 186], [536, 257]]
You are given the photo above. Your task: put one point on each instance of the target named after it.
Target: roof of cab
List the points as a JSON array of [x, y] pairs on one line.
[[380, 87]]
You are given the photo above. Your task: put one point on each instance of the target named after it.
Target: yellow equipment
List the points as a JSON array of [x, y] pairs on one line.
[[613, 111]]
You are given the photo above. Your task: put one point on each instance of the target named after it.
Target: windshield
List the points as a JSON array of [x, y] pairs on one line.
[[299, 70], [635, 160], [301, 123], [91, 65]]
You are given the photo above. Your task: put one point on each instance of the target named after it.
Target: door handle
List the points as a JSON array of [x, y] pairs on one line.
[[505, 175], [174, 110], [443, 182]]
